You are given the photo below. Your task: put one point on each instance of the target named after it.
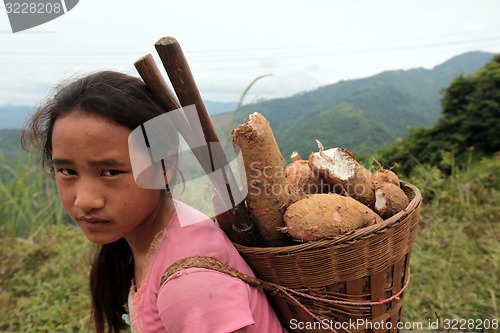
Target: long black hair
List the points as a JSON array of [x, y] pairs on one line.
[[124, 100]]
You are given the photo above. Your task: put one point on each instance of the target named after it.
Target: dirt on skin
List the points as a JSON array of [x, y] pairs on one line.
[[268, 193], [390, 199], [327, 215], [303, 180], [383, 175]]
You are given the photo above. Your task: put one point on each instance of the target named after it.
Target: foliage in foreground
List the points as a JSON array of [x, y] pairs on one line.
[[28, 198], [43, 278], [43, 282], [455, 260]]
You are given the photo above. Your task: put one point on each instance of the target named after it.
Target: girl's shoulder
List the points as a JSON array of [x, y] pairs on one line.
[[191, 233], [189, 224]]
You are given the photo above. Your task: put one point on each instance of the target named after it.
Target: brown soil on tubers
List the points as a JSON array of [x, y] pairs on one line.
[[268, 194], [383, 175], [390, 199], [340, 170], [327, 215], [301, 179]]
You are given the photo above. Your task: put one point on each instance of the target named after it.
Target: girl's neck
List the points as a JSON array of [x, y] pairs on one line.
[[140, 239]]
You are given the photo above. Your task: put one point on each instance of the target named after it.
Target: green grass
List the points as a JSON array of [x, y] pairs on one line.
[[28, 198], [45, 260], [455, 260], [44, 282]]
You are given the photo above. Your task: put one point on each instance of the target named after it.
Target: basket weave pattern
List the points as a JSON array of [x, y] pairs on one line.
[[366, 266], [358, 276]]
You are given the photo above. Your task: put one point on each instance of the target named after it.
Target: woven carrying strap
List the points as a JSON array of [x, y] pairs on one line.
[[213, 264]]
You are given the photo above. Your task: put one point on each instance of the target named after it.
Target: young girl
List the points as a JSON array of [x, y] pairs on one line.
[[82, 132]]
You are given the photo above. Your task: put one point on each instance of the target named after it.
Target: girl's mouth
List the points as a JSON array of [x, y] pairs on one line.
[[92, 220]]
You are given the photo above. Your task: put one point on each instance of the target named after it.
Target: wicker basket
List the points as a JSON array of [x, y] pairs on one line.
[[354, 283]]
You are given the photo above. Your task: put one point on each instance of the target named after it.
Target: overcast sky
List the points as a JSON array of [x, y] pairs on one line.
[[304, 45]]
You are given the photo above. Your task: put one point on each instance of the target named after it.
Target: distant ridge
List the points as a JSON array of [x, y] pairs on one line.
[[361, 115], [15, 116], [214, 108]]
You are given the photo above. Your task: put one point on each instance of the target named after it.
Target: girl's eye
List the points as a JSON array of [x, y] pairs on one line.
[[110, 173], [68, 172]]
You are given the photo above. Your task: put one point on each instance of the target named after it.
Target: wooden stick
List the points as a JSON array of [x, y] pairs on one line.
[[182, 80], [185, 88], [151, 75], [154, 80]]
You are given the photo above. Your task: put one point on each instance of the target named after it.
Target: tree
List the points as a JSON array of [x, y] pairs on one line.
[[482, 122], [470, 121]]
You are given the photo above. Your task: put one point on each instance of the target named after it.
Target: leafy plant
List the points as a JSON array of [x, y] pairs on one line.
[[470, 124], [28, 199], [455, 258]]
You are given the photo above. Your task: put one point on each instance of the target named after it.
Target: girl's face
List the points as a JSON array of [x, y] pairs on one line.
[[95, 181]]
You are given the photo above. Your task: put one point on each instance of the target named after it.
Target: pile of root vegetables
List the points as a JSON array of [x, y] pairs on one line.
[[324, 196]]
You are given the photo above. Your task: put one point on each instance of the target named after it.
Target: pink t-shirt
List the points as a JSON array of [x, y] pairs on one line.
[[197, 299]]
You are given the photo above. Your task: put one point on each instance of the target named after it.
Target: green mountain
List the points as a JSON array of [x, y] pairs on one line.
[[13, 116], [219, 107], [361, 115]]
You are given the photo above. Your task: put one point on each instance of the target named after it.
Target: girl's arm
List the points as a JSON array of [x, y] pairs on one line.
[[199, 300]]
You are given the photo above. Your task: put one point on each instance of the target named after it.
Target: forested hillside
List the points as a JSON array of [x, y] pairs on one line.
[[363, 114], [468, 129], [360, 115]]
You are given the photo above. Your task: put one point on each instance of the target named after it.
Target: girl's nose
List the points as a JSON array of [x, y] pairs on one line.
[[89, 198]]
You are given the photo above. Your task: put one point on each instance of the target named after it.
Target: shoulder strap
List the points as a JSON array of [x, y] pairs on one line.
[[209, 263], [214, 264]]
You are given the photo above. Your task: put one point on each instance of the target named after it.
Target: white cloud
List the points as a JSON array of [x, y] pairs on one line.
[[228, 44]]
